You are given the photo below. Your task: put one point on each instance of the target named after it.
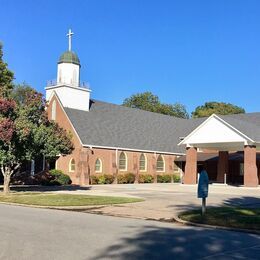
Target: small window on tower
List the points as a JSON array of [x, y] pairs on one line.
[[60, 76], [53, 110]]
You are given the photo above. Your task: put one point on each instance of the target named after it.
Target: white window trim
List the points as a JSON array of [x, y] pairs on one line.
[[101, 165], [70, 165], [126, 162], [163, 163], [53, 110], [145, 167]]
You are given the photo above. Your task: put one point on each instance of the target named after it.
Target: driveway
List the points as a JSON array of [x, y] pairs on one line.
[[30, 233], [165, 201]]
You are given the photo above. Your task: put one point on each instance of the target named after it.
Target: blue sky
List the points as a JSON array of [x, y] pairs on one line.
[[183, 51]]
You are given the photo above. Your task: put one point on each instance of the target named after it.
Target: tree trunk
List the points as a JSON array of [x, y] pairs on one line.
[[7, 179]]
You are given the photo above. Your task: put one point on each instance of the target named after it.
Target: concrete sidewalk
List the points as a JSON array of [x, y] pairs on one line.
[[166, 201]]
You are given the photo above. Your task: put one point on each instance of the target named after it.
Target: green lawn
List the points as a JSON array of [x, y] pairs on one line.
[[226, 216], [49, 199]]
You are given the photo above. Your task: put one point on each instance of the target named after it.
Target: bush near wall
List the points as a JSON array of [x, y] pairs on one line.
[[146, 178], [55, 177], [125, 178], [176, 178], [102, 179], [164, 178]]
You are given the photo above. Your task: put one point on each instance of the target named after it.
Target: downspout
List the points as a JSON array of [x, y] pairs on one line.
[[155, 170], [115, 181]]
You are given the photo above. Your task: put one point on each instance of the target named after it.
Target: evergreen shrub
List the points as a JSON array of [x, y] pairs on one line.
[[164, 178], [146, 178], [126, 178]]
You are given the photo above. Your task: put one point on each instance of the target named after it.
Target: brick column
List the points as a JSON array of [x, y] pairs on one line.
[[114, 162], [136, 167], [154, 162], [190, 176], [84, 167], [250, 169], [222, 165]]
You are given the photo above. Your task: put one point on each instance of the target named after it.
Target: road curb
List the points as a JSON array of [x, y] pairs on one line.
[[72, 208]]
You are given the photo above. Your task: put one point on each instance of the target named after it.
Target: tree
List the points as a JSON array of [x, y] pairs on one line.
[[25, 131], [20, 91], [6, 76], [220, 108], [150, 102]]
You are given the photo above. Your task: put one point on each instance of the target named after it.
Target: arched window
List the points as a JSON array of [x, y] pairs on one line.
[[98, 165], [53, 110], [142, 162], [160, 164], [122, 162], [72, 165]]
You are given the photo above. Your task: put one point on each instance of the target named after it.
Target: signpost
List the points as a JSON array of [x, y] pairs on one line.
[[203, 187]]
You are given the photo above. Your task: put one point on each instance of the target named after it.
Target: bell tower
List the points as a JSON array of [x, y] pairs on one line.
[[69, 66], [67, 85]]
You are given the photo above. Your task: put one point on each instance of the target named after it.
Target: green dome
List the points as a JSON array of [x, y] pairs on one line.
[[69, 57]]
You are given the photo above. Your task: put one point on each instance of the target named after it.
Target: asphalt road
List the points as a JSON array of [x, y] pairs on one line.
[[28, 233]]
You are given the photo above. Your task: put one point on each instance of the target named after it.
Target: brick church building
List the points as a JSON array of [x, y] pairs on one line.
[[113, 139]]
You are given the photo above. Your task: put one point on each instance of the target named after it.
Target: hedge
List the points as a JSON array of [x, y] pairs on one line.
[[56, 177], [146, 178], [176, 178], [164, 178], [125, 178], [102, 179]]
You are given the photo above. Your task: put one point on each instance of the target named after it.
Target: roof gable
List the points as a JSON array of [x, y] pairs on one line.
[[215, 130]]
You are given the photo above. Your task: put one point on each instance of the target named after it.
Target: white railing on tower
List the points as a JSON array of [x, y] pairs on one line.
[[53, 82]]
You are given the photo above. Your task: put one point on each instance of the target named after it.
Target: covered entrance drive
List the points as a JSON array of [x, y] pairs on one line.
[[216, 135]]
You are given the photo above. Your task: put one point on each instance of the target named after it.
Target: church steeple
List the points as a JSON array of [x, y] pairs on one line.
[[69, 66], [68, 88]]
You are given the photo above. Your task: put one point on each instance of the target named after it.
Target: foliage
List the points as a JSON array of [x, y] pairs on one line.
[[102, 179], [164, 178], [59, 178], [146, 178], [126, 178], [6, 76], [220, 108], [20, 92], [25, 131], [176, 178], [93, 179], [150, 102]]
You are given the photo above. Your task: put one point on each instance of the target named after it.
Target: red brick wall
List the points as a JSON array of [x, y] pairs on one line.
[[85, 158]]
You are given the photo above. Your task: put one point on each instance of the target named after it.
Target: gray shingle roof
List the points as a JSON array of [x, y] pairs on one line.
[[113, 125], [248, 124], [117, 126]]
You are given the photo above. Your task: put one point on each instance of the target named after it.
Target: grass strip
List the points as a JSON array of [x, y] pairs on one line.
[[235, 217], [50, 199]]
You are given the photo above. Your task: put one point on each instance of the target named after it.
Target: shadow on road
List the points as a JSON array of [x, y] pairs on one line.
[[189, 243], [248, 202]]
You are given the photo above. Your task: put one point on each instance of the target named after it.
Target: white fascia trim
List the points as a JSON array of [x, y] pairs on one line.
[[68, 86], [129, 149], [221, 120], [55, 94]]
